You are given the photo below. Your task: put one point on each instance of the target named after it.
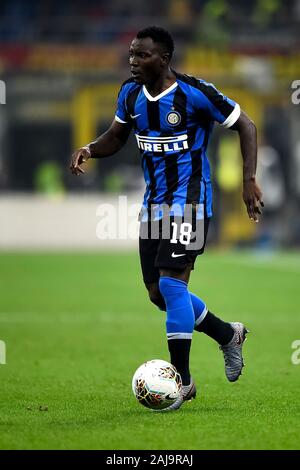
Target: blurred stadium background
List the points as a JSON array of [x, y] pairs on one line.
[[62, 64]]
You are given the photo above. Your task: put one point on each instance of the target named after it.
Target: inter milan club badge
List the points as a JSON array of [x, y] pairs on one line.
[[173, 118]]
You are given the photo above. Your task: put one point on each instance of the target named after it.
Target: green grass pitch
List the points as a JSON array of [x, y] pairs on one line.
[[76, 326]]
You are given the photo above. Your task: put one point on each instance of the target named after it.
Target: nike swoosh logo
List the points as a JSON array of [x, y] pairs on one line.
[[176, 256], [135, 116], [169, 397]]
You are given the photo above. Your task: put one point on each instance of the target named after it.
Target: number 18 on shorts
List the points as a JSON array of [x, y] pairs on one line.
[[175, 240]]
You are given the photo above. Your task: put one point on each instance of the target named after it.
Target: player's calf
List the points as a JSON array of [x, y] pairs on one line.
[[155, 296], [180, 323]]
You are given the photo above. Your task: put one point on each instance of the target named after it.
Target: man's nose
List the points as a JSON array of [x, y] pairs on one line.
[[133, 61]]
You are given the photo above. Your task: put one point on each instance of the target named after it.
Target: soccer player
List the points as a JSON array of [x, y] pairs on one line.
[[172, 115]]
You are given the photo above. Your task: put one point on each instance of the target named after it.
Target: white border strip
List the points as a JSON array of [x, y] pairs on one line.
[[201, 317], [163, 93], [176, 335], [233, 117], [120, 120]]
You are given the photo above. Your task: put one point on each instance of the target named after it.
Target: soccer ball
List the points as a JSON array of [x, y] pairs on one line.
[[156, 384]]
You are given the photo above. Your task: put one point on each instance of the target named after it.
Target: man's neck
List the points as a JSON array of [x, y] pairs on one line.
[[163, 82]]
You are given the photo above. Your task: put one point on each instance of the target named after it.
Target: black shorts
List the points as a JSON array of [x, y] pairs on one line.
[[174, 250]]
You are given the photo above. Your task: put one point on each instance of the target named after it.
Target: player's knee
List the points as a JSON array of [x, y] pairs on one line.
[[155, 297], [171, 287]]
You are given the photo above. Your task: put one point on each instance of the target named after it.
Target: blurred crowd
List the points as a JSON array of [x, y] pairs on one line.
[[80, 21]]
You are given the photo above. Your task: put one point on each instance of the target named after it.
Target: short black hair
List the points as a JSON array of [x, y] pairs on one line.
[[158, 35]]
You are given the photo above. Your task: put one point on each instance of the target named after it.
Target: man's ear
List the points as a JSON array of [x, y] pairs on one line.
[[165, 58]]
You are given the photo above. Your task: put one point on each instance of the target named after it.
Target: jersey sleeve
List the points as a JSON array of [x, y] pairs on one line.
[[122, 114], [217, 106]]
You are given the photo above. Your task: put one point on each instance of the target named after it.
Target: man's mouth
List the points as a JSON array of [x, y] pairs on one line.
[[135, 73]]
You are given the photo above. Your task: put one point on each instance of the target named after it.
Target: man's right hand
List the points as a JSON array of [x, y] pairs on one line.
[[79, 156]]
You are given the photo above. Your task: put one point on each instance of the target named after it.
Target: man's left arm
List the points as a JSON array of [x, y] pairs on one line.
[[252, 194]]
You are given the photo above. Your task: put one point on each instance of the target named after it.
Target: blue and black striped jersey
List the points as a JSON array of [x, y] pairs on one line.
[[172, 131]]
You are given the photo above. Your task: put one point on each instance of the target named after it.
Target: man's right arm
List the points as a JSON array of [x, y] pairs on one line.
[[104, 146]]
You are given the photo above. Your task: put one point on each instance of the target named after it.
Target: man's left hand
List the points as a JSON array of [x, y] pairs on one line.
[[252, 197]]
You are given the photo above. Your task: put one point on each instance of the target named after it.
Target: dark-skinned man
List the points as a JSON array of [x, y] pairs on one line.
[[172, 115]]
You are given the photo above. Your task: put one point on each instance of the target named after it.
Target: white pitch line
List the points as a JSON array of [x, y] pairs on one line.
[[278, 318], [106, 317], [278, 265]]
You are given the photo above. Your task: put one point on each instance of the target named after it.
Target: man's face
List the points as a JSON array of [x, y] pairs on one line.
[[147, 60]]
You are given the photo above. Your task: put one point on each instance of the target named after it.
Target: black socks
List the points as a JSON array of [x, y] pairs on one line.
[[180, 354], [179, 349], [217, 329]]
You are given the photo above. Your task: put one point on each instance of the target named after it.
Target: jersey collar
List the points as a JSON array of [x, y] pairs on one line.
[[163, 93]]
